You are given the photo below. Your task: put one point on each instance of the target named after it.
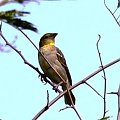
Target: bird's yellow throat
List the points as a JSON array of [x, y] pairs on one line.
[[51, 43], [48, 45]]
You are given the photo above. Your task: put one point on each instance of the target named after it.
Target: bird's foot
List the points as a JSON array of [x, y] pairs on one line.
[[55, 87]]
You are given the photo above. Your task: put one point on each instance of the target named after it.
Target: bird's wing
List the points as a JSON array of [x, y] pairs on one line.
[[62, 60]]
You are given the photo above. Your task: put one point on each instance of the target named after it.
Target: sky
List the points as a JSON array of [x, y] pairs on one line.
[[78, 24]]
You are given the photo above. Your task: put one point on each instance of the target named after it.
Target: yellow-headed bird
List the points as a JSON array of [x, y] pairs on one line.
[[56, 59]]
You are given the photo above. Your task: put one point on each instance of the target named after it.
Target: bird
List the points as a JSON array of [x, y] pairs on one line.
[[54, 63]]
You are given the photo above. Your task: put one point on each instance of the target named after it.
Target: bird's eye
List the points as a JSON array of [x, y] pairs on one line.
[[47, 36]]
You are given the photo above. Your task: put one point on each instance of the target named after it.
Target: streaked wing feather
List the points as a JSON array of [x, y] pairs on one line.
[[62, 60]]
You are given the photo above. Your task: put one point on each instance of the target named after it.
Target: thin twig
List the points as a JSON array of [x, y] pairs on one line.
[[111, 13], [64, 108], [94, 90], [118, 95], [104, 75], [47, 97], [77, 112], [115, 10], [27, 38], [118, 17], [118, 115]]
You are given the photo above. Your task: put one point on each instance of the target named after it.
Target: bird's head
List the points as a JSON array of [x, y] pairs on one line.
[[48, 38]]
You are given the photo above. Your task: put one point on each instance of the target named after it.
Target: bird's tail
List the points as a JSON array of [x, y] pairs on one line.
[[67, 96]]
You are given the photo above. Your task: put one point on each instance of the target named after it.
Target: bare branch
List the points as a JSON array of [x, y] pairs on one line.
[[118, 116], [47, 97], [64, 108], [112, 13], [74, 86], [118, 94], [104, 75]]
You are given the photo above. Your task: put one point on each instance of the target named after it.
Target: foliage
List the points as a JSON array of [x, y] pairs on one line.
[[11, 17]]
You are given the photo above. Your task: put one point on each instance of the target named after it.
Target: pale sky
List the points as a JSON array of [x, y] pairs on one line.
[[78, 24]]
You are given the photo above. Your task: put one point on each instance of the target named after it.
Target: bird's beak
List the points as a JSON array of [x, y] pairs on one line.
[[54, 34]]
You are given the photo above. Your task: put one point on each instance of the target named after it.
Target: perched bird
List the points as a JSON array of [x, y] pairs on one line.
[[56, 59]]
